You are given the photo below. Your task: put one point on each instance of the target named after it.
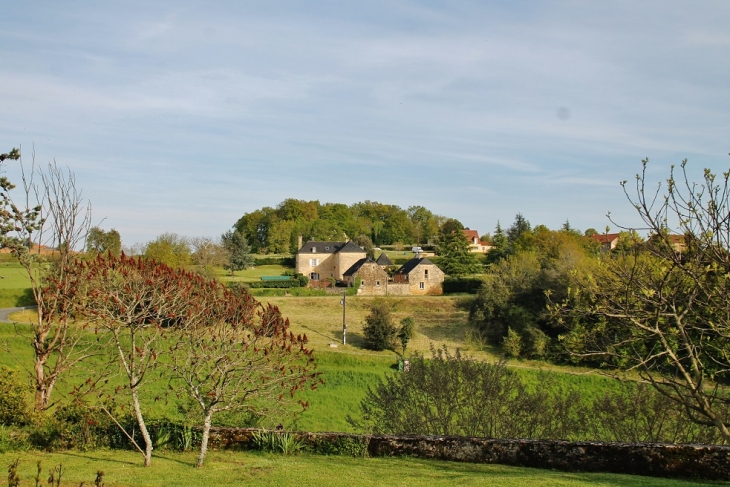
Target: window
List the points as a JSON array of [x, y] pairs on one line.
[[314, 250], [362, 283], [421, 286], [313, 262], [326, 248], [425, 273], [314, 276], [377, 283]]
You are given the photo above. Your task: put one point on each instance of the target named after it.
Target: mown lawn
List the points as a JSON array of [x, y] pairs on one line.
[[251, 469]]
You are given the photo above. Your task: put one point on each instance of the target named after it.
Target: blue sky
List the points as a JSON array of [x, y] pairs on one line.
[[182, 116]]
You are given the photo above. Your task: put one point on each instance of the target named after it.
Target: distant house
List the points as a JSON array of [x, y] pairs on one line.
[[373, 278], [324, 260], [607, 241], [677, 242], [421, 276], [475, 244], [345, 262]]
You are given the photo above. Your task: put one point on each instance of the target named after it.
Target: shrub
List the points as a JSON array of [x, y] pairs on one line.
[[405, 332], [512, 345], [379, 329], [355, 446], [456, 396], [14, 392], [276, 442], [535, 342], [469, 285]]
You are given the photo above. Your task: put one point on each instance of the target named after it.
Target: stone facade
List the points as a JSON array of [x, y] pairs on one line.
[[345, 262], [373, 279], [320, 261], [422, 276]]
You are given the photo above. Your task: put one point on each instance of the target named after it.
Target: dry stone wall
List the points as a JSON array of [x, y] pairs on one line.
[[660, 460]]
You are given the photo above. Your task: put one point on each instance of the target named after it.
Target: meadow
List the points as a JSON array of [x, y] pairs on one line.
[[252, 469]]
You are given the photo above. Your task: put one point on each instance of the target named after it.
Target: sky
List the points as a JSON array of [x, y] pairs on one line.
[[182, 116]]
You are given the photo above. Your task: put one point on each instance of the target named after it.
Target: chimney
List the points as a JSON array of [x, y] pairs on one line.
[[299, 242]]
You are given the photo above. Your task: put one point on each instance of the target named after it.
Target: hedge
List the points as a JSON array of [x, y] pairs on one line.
[[468, 285], [283, 261]]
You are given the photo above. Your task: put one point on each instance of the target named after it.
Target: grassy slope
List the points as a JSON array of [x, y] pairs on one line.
[[123, 469]]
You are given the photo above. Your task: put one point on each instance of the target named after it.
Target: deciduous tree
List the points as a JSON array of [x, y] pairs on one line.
[[661, 309], [253, 363], [42, 233], [99, 241]]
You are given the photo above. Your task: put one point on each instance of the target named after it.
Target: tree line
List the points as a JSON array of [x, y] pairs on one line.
[[275, 230]]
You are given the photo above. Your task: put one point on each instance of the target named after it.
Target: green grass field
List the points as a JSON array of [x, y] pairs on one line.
[[251, 469]]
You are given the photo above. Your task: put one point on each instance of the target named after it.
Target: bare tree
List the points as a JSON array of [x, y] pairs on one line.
[[661, 309], [42, 234]]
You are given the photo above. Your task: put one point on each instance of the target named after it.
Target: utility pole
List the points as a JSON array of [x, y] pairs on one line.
[[344, 323]]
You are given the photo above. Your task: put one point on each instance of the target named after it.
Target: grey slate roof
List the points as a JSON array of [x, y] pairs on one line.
[[356, 266], [329, 247], [383, 260], [412, 264]]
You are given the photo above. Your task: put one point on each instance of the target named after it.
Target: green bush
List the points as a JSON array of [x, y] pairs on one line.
[[14, 394], [274, 284], [341, 445], [469, 285], [379, 331], [512, 345], [284, 261]]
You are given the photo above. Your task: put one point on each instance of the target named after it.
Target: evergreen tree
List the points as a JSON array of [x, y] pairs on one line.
[[240, 252], [453, 248]]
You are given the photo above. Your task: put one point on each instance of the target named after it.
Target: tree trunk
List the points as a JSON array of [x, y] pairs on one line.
[[142, 428], [41, 392], [206, 435]]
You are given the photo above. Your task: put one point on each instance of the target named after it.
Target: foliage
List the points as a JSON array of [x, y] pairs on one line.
[[208, 252], [661, 309], [366, 244], [277, 442], [405, 332], [239, 252], [131, 303], [457, 396], [354, 446], [245, 359], [453, 250], [99, 241], [538, 265], [170, 249], [637, 413], [14, 408], [276, 229], [379, 331], [470, 285]]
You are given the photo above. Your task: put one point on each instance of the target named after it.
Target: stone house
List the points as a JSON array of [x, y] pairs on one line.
[[327, 260], [421, 276], [373, 278]]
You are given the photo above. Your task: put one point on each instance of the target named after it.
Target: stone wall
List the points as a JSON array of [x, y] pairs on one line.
[[659, 460], [399, 289]]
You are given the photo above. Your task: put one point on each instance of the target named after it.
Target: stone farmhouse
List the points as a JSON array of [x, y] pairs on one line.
[[345, 262]]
